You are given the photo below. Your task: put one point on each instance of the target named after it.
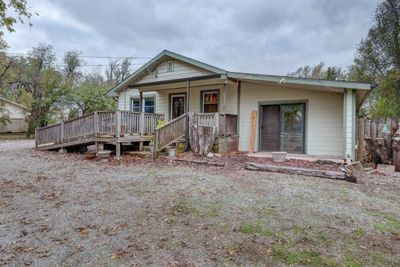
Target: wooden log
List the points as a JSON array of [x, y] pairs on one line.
[[299, 171], [202, 162]]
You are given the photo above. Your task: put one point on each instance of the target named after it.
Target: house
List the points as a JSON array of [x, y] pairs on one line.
[[17, 114], [316, 117]]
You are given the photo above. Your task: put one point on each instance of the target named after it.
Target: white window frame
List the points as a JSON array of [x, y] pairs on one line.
[[143, 102]]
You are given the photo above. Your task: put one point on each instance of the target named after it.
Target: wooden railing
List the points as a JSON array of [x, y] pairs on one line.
[[226, 123], [103, 124], [169, 133]]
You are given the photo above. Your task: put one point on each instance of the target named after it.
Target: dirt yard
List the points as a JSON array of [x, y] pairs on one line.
[[63, 210]]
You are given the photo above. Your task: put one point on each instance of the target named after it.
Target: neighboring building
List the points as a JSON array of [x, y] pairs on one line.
[[293, 114], [17, 114]]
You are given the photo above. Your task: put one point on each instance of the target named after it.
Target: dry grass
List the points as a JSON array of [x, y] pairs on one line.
[[62, 210]]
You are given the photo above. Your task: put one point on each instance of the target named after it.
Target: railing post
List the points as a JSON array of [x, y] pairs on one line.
[[96, 123], [141, 124], [62, 132], [217, 121], [187, 126], [155, 144], [118, 123]]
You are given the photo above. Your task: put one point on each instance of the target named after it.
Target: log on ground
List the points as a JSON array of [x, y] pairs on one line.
[[300, 171]]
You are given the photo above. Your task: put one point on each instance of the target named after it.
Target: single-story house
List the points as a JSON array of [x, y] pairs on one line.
[[309, 116], [17, 114]]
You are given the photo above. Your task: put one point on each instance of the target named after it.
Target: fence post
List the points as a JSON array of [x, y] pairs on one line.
[[96, 123], [187, 145], [62, 132]]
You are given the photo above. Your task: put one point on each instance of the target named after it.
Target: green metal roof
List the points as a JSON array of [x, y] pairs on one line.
[[233, 75], [294, 80]]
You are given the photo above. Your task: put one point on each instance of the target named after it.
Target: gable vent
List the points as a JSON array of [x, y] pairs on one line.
[[170, 65]]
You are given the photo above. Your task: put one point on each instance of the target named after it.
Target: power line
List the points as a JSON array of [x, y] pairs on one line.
[[84, 56]]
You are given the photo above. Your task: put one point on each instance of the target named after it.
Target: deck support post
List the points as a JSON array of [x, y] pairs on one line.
[[142, 127], [225, 94], [118, 135], [140, 101]]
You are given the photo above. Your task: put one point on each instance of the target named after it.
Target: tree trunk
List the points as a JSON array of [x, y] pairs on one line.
[[396, 153]]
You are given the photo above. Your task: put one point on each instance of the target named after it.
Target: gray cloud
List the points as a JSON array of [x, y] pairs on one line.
[[273, 37]]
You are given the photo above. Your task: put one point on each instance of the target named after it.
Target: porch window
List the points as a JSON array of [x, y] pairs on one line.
[[148, 104], [210, 101]]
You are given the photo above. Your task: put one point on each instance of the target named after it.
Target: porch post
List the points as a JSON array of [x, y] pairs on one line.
[[141, 101], [187, 95], [349, 123], [224, 103]]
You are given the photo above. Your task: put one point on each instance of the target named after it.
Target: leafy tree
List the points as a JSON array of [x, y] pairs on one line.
[[7, 21], [319, 72], [378, 59], [4, 116]]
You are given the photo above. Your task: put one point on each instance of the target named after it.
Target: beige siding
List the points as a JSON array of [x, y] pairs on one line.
[[125, 96], [17, 117], [163, 98], [324, 118], [181, 70]]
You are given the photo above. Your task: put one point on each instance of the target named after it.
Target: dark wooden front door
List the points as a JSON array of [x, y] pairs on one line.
[[283, 128], [177, 105], [270, 128]]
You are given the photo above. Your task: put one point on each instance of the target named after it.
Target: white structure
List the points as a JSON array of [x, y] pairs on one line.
[[17, 114], [296, 115]]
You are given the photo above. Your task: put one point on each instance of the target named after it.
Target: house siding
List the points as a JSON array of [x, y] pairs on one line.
[[181, 71], [324, 116], [124, 102], [17, 117], [162, 98]]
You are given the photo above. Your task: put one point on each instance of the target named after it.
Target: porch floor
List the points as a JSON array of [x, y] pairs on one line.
[[306, 157]]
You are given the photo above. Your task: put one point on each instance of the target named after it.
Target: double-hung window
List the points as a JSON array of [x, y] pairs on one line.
[[148, 104]]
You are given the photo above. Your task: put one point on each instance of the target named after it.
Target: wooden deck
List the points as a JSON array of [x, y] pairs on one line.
[[124, 127], [101, 127]]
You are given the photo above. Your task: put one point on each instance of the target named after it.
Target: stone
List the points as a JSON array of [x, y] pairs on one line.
[[385, 169], [356, 169], [279, 156], [210, 155]]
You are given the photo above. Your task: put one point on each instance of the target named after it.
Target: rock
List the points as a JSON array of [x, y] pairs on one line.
[[210, 155], [356, 169], [385, 169], [279, 156]]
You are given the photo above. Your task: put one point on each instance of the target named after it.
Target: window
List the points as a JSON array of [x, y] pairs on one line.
[[135, 104], [210, 101], [170, 65], [148, 104]]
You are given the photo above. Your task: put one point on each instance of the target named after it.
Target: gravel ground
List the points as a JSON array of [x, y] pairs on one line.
[[62, 210]]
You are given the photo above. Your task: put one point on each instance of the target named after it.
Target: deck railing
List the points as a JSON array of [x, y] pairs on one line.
[[98, 124], [226, 123], [170, 132]]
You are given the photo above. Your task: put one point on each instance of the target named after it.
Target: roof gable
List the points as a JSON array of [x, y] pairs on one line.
[[157, 70]]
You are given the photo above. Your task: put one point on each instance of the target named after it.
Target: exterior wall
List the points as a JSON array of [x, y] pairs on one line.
[[162, 98], [181, 71], [324, 116], [17, 117], [124, 99], [349, 112]]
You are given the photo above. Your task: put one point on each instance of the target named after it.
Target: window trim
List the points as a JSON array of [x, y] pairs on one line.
[[202, 98]]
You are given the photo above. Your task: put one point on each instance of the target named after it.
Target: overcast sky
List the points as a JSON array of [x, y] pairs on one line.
[[273, 37]]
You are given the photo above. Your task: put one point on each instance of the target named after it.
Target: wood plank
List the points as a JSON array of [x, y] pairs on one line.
[[253, 118]]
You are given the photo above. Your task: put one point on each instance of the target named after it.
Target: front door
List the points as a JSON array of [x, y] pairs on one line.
[[283, 127], [177, 105]]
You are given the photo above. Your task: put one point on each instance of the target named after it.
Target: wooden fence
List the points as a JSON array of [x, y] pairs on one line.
[[371, 129], [98, 124]]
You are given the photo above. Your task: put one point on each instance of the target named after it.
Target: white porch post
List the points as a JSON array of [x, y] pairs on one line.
[[349, 122]]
